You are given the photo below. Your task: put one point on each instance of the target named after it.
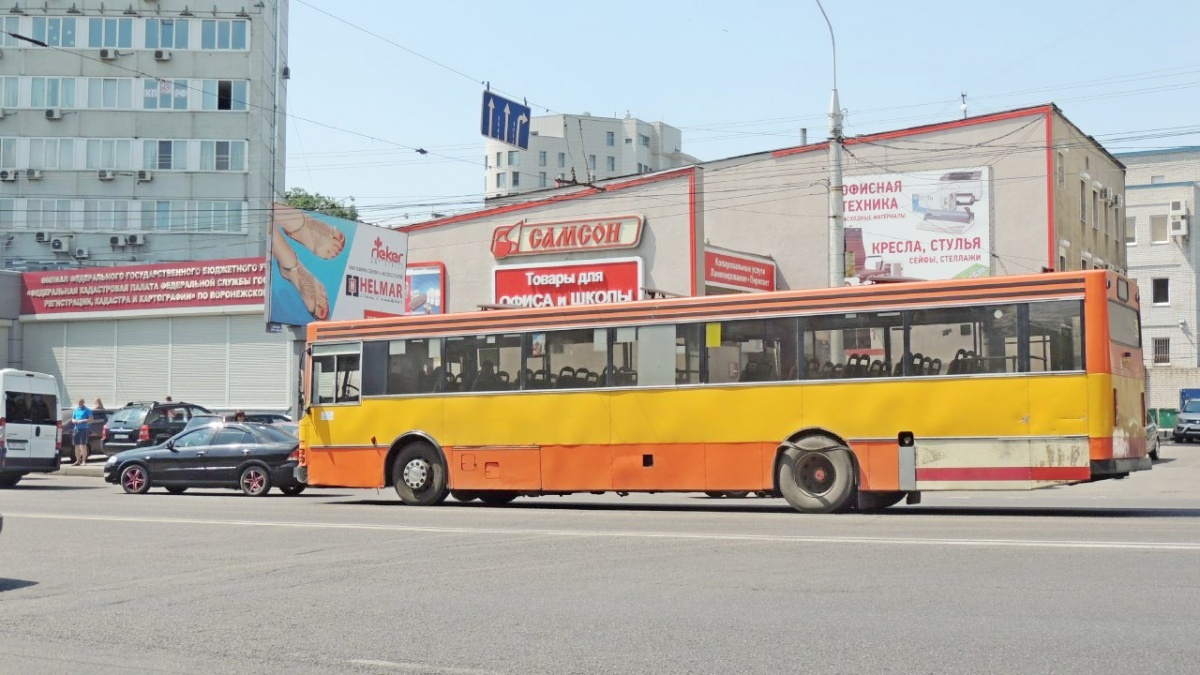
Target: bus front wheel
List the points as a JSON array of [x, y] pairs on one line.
[[419, 475], [816, 475]]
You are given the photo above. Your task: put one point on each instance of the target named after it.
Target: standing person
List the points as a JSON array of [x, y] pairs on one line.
[[81, 419]]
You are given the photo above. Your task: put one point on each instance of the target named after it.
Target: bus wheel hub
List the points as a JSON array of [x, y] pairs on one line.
[[416, 474]]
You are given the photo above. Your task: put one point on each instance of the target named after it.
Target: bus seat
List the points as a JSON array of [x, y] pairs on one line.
[[935, 367], [566, 378]]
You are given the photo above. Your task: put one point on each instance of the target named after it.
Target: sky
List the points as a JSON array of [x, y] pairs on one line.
[[372, 81]]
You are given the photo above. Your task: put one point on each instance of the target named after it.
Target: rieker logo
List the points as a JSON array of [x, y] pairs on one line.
[[383, 253]]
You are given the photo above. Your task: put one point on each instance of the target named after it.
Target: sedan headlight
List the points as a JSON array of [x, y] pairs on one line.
[[112, 461]]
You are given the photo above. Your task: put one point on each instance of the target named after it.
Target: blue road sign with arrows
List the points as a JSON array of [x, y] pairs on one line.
[[505, 120]]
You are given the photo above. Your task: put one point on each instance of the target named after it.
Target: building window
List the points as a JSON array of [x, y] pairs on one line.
[[541, 158], [1162, 291], [645, 140], [52, 153], [54, 31], [48, 214], [1162, 351], [1095, 210], [610, 138], [514, 158], [501, 180], [628, 141], [222, 155], [1062, 263], [542, 179], [1060, 168], [10, 89], [592, 162], [116, 33], [1130, 230], [164, 155], [1083, 190], [1155, 180], [516, 179], [1159, 234], [111, 93], [1083, 263], [165, 95], [213, 216], [222, 34], [52, 92], [562, 159], [105, 214], [109, 154], [164, 215], [166, 34], [12, 24], [225, 94], [8, 153], [8, 214], [611, 163]]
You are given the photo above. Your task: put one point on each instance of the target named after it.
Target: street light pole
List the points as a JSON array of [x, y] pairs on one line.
[[837, 239]]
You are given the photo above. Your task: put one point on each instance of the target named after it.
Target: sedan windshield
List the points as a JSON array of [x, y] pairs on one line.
[[274, 435]]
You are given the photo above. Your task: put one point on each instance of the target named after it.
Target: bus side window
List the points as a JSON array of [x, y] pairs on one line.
[[336, 374], [1056, 335], [964, 341]]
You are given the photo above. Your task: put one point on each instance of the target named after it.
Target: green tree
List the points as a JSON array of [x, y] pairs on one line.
[[315, 201]]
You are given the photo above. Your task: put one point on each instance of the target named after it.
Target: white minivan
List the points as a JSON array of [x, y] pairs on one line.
[[29, 425]]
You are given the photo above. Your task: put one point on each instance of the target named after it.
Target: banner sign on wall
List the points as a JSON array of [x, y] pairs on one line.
[[566, 235], [920, 225], [739, 272], [210, 283], [329, 268], [426, 288], [565, 284]]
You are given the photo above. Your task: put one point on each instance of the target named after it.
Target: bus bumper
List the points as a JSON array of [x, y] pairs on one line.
[[1114, 468]]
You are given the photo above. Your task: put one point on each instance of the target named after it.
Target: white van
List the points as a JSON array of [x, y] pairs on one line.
[[29, 425]]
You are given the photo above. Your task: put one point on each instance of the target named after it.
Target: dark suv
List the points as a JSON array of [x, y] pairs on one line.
[[148, 423], [95, 432]]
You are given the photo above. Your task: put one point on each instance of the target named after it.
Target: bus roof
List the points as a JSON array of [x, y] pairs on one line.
[[720, 307]]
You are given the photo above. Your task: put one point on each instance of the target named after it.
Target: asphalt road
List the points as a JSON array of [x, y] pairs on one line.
[[1100, 578]]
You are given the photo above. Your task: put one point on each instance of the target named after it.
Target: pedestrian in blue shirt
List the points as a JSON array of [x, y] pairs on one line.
[[81, 419]]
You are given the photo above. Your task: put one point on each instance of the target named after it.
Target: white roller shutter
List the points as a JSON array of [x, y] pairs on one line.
[[91, 360], [198, 360], [143, 360], [259, 365], [43, 349]]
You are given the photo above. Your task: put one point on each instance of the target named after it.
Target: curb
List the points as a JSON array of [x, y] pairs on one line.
[[95, 470]]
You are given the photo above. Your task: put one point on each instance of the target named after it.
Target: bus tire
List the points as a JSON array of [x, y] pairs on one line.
[[419, 475], [715, 495], [872, 502], [497, 498], [8, 480], [740, 494], [816, 475], [464, 495]]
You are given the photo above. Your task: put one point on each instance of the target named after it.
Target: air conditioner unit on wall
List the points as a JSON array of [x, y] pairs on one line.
[[8, 175], [162, 55], [1179, 225], [81, 252], [106, 174], [61, 244], [1116, 199], [33, 174], [42, 237], [54, 114], [108, 54], [1106, 194], [135, 239], [1178, 208], [145, 176], [116, 240]]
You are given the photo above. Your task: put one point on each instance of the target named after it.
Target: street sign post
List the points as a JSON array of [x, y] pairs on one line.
[[505, 120]]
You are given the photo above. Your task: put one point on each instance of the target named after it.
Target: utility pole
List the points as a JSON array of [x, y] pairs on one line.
[[837, 237]]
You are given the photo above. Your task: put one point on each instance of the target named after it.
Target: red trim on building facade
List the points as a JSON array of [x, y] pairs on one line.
[[1052, 261]]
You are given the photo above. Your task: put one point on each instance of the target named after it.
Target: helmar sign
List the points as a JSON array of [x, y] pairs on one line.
[[592, 234]]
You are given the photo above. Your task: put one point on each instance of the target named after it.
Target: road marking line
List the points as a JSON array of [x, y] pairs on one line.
[[418, 667], [769, 538]]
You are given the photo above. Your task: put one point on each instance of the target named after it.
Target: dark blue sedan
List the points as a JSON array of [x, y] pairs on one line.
[[252, 458]]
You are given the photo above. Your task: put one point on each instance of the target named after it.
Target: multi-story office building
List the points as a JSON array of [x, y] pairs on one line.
[[1163, 187], [150, 131], [581, 148]]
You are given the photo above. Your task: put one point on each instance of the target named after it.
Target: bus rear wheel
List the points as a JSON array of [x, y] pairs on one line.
[[872, 502], [816, 475], [419, 475]]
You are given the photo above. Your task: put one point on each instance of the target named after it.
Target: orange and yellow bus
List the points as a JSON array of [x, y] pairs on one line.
[[832, 399]]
